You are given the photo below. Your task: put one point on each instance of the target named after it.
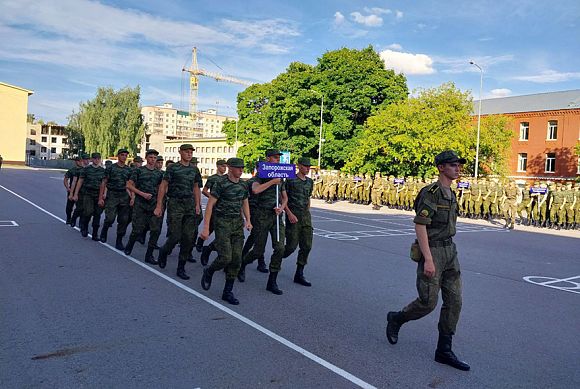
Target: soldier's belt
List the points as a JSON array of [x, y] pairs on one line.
[[441, 243]]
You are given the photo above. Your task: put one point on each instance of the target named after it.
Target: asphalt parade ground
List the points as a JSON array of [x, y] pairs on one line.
[[78, 313]]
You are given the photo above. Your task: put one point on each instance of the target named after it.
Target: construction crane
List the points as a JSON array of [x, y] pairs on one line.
[[194, 71]]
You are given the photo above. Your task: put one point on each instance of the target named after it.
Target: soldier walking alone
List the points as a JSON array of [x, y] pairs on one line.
[[438, 267]]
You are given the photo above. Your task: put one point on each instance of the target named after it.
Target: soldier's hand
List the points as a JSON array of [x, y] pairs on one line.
[[204, 234], [292, 218], [101, 203], [198, 209], [249, 226], [276, 181], [429, 268], [132, 201], [147, 196], [278, 210], [158, 211], [74, 198]]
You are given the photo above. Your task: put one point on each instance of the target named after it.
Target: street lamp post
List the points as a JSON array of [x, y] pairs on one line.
[[478, 117], [320, 135], [236, 144]]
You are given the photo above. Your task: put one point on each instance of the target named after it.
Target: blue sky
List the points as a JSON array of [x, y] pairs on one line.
[[65, 49]]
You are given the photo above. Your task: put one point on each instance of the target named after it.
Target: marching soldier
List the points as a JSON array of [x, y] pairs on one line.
[[570, 205], [377, 191], [181, 184], [228, 200], [144, 183], [438, 268], [511, 197], [85, 158], [114, 197], [299, 231], [88, 187], [249, 243], [267, 218], [69, 177], [158, 162], [525, 205]]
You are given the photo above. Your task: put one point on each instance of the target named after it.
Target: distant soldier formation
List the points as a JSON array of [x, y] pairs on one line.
[[541, 204], [141, 196]]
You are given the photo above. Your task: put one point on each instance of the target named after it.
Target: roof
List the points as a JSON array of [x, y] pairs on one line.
[[17, 87], [548, 101]]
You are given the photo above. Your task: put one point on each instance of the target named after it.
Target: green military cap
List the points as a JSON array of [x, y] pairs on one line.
[[78, 158], [137, 159], [108, 163], [235, 162], [96, 155], [448, 156], [186, 146], [304, 161], [85, 156], [221, 162], [159, 158], [194, 160], [121, 151], [271, 152], [151, 151]]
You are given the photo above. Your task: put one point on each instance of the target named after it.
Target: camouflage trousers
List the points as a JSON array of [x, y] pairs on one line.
[[447, 278], [117, 207], [182, 226], [90, 208], [266, 225], [69, 207], [144, 219], [376, 196], [300, 235], [511, 210], [229, 240]]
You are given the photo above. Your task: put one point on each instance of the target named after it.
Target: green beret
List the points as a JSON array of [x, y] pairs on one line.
[[304, 161], [271, 152], [121, 151], [448, 156], [137, 159], [78, 158], [151, 151], [159, 158], [85, 156], [220, 162], [235, 162], [186, 146], [96, 155]]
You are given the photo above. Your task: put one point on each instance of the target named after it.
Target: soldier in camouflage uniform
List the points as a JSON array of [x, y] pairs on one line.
[[332, 188], [268, 222], [438, 268], [525, 205], [543, 206], [342, 183], [377, 191], [181, 184], [158, 162], [317, 193], [88, 187], [510, 203], [85, 158], [221, 168], [144, 183], [69, 177], [570, 204], [348, 187], [229, 199], [299, 231], [116, 204]]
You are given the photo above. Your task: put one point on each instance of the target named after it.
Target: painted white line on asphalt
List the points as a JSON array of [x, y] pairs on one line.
[[335, 369], [548, 281], [8, 223]]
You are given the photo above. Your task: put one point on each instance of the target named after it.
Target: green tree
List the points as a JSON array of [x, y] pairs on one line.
[[403, 138], [75, 138], [285, 113], [110, 121]]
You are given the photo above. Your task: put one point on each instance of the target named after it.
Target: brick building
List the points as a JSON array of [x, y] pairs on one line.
[[546, 128]]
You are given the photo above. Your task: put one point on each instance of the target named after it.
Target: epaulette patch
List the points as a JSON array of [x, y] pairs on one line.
[[434, 189]]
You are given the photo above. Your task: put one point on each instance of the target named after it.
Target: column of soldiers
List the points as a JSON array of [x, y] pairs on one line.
[[543, 204], [142, 195]]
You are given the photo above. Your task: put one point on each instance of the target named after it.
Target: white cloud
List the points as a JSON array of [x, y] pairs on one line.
[[395, 46], [407, 63], [368, 20], [399, 14], [338, 18], [377, 11], [500, 92], [550, 76], [455, 65]]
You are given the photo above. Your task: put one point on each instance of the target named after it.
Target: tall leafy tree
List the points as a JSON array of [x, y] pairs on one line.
[[110, 121]]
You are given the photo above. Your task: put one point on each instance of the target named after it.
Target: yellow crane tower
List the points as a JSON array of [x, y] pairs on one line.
[[194, 71]]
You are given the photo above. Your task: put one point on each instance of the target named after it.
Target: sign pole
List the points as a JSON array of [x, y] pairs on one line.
[[277, 215]]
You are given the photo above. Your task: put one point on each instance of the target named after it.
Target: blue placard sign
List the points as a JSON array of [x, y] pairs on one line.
[[399, 180], [463, 185], [276, 170], [539, 190]]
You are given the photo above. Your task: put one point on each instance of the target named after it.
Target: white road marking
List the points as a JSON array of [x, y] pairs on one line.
[[322, 362], [8, 223], [549, 282], [57, 178]]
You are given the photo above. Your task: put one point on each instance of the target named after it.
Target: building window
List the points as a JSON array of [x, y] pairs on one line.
[[550, 162], [53, 150], [552, 130], [522, 162], [32, 132], [64, 140], [219, 149], [33, 153], [44, 139], [53, 139], [213, 149], [43, 149], [524, 130], [32, 142]]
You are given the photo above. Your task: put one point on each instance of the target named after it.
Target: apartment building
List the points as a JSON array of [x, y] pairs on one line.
[[46, 142], [207, 151], [13, 110]]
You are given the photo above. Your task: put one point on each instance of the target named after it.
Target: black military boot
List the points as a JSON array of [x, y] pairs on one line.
[[299, 276], [272, 286], [227, 295], [95, 235], [181, 270], [445, 355], [162, 259], [394, 324], [242, 273], [262, 265], [205, 253], [84, 228], [141, 238], [119, 243], [104, 231], [129, 247], [68, 220], [199, 244], [206, 278], [149, 257]]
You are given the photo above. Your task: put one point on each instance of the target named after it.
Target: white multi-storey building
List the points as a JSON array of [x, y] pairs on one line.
[[45, 141]]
